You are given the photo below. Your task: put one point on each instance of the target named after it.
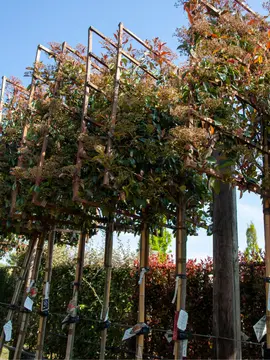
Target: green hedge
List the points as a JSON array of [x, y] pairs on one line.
[[159, 309]]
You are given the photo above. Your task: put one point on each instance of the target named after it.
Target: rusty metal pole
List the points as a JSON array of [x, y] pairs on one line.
[[107, 287], [77, 283], [45, 300]]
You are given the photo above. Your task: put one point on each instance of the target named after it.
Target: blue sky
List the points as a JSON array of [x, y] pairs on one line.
[[25, 24]]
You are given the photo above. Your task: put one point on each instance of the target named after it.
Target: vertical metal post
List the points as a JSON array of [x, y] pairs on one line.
[[144, 252], [2, 97], [76, 180], [46, 294], [107, 287], [180, 270], [19, 284], [77, 283], [33, 276], [115, 98]]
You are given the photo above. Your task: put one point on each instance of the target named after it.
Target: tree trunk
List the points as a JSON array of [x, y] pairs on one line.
[[180, 269], [19, 285], [226, 293], [32, 277], [107, 287], [144, 261], [77, 283], [45, 300]]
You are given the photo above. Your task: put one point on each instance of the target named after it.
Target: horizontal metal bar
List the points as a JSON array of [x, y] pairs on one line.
[[75, 52]]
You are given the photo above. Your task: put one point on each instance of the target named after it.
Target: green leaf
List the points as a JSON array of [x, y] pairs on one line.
[[183, 188], [211, 159], [226, 163]]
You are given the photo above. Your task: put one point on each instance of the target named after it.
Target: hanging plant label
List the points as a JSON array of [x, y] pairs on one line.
[[260, 328], [8, 330], [184, 348], [45, 305], [47, 290], [128, 334], [28, 304], [182, 320], [169, 335]]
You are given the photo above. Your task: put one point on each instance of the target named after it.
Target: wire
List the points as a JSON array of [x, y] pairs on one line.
[[117, 324]]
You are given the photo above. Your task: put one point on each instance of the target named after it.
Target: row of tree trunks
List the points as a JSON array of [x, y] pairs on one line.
[[19, 285], [31, 280]]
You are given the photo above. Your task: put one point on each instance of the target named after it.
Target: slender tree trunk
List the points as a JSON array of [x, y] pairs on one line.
[[19, 285], [266, 215], [107, 287], [77, 283], [32, 277], [180, 270], [226, 293], [45, 300], [144, 261]]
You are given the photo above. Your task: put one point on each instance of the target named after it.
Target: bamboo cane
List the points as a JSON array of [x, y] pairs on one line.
[[180, 270], [2, 97], [78, 279], [46, 292], [107, 287], [266, 214], [19, 284], [144, 252], [32, 277], [115, 98]]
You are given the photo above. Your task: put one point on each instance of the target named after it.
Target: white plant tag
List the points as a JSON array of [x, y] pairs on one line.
[[169, 335], [128, 334], [28, 304], [260, 328], [8, 330], [244, 337], [47, 290], [182, 320], [184, 348]]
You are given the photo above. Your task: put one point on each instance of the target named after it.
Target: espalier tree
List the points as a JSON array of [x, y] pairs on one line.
[[146, 167], [226, 86]]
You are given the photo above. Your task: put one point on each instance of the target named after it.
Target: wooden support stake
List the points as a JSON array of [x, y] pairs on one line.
[[19, 284], [180, 268], [115, 99], [107, 287], [32, 277], [144, 261], [76, 180], [45, 300], [77, 283], [25, 130], [266, 215], [226, 293], [2, 97]]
